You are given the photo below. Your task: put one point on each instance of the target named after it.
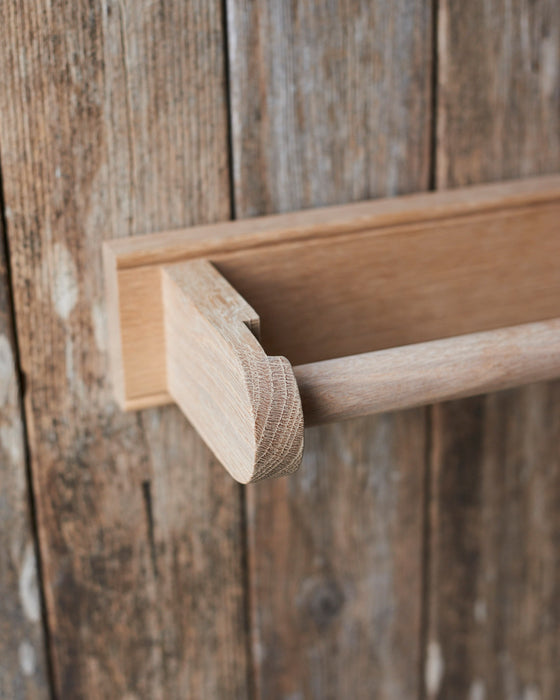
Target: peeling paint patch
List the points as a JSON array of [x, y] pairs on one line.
[[549, 66], [434, 668], [477, 691], [480, 611], [99, 333], [69, 360], [6, 370], [65, 284], [28, 590], [259, 651], [11, 442], [531, 692], [27, 658]]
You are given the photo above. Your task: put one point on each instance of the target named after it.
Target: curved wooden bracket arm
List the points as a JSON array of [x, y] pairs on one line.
[[245, 405]]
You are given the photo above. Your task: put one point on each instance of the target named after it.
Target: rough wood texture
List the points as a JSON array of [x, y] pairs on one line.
[[243, 403], [113, 123], [495, 568], [294, 270], [22, 649], [330, 104]]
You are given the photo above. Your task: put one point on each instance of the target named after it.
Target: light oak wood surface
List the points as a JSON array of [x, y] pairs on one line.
[[424, 373], [244, 404]]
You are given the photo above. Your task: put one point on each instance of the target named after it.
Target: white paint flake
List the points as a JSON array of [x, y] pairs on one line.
[[480, 611], [477, 691], [28, 590], [11, 441], [65, 284], [531, 692], [434, 668], [27, 658], [549, 66], [6, 370], [98, 319]]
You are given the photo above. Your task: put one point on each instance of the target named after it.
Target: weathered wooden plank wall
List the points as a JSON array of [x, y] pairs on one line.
[[330, 103], [415, 554], [495, 563], [114, 122], [22, 650]]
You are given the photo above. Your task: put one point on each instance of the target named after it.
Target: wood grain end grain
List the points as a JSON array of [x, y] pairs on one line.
[[244, 404]]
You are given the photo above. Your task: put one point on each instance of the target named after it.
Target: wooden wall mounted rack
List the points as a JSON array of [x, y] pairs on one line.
[[256, 327]]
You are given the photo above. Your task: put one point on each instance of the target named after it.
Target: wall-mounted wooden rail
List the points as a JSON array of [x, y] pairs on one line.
[[376, 306]]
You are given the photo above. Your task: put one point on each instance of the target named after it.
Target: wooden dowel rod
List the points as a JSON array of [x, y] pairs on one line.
[[423, 373]]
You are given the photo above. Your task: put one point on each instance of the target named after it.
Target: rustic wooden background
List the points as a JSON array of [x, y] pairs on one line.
[[415, 555]]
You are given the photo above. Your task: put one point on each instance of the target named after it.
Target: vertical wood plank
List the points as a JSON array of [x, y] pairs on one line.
[[23, 671], [330, 103], [114, 122], [495, 483]]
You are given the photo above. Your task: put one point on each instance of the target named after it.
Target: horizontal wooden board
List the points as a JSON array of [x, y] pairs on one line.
[[352, 279]]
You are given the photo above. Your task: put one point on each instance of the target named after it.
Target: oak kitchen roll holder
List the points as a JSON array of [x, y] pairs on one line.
[[377, 306]]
